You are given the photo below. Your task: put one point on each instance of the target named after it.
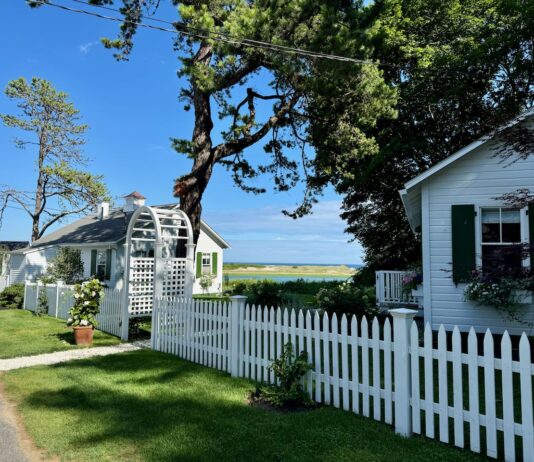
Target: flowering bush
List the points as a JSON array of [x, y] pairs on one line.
[[87, 297], [503, 293], [347, 298], [411, 281], [206, 281]]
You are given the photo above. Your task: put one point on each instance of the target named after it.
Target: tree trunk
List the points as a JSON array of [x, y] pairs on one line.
[[39, 192], [191, 189]]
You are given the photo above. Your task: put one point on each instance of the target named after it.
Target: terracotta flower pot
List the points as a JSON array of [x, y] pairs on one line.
[[83, 335]]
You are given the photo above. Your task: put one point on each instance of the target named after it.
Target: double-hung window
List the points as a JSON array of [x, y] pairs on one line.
[[101, 263], [501, 240], [206, 263]]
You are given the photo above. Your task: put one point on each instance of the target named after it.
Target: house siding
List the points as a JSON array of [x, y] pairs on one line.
[[31, 265], [208, 245], [476, 179]]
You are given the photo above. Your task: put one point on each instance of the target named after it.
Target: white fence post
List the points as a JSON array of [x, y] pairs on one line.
[[58, 291], [402, 322], [237, 309], [25, 301]]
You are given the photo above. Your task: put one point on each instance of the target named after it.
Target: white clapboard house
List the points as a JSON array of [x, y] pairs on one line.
[[464, 224], [101, 237]]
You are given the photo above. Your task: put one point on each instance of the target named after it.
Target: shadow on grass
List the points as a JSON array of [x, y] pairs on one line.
[[161, 408], [67, 337]]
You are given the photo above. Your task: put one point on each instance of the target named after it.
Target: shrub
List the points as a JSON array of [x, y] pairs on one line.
[[67, 266], [12, 297], [502, 292], [87, 297], [288, 371], [42, 302], [349, 299], [206, 281]]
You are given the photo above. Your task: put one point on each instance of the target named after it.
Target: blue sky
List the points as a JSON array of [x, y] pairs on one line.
[[132, 109]]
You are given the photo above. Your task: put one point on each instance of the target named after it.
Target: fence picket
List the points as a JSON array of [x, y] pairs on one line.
[[375, 342], [344, 363], [443, 386], [335, 360], [317, 356], [247, 342], [474, 408], [326, 358], [388, 384], [365, 367], [309, 335], [355, 362], [429, 383], [416, 392], [527, 423], [457, 388], [489, 388], [507, 398], [272, 353]]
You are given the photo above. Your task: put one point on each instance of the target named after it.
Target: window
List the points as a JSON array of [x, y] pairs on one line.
[[206, 263], [501, 239], [101, 262]]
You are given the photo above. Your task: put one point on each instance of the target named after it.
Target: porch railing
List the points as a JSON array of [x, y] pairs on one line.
[[389, 289]]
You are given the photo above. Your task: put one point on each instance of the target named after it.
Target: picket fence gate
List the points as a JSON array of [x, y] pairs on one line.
[[380, 370], [60, 298]]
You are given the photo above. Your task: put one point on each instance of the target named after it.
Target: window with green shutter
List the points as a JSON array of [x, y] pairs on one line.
[[463, 242]]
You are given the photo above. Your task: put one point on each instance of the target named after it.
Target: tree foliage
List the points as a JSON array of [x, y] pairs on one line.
[[461, 69], [50, 124], [67, 266], [308, 113]]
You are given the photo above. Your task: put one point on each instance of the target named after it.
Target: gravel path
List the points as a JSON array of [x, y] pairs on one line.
[[11, 448], [62, 356]]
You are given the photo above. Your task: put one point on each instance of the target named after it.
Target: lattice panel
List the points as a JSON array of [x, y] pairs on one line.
[[141, 285], [174, 277]]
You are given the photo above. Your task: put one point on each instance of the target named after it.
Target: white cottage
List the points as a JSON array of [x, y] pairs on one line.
[[101, 238], [463, 225]]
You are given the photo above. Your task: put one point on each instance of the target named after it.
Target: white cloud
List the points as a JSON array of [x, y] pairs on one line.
[[266, 235], [85, 48]]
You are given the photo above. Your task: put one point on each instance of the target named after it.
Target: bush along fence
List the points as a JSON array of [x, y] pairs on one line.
[[422, 384], [59, 300]]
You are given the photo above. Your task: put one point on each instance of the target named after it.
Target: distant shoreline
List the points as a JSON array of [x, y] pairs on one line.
[[281, 270]]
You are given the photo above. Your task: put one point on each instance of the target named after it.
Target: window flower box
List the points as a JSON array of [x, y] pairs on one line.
[[418, 291]]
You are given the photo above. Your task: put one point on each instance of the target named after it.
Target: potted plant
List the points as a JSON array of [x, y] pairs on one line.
[[82, 316], [412, 284]]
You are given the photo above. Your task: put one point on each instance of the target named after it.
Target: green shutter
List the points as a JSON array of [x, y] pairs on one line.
[[531, 233], [214, 263], [108, 265], [463, 242], [199, 264], [93, 262]]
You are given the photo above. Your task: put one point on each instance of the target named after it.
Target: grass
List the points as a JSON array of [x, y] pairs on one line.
[[22, 334], [150, 406]]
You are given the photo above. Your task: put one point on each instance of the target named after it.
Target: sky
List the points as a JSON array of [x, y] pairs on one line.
[[132, 109]]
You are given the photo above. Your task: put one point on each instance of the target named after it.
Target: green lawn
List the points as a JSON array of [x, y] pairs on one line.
[[22, 333], [149, 406]]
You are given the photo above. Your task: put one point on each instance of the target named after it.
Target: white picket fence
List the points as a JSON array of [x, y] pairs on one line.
[[196, 330], [60, 300], [381, 370]]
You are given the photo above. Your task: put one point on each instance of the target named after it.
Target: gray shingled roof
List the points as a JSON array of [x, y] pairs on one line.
[[13, 245], [91, 230]]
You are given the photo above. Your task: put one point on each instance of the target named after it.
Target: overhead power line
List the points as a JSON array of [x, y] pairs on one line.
[[199, 33]]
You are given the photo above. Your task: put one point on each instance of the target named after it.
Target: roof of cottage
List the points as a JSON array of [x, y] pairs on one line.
[[106, 231], [411, 194]]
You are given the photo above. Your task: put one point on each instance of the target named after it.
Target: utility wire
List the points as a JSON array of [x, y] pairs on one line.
[[195, 32]]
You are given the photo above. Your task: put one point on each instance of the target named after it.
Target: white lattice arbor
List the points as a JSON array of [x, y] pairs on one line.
[[159, 256]]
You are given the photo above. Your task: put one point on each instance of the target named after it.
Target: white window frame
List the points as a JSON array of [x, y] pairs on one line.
[[523, 214], [206, 267]]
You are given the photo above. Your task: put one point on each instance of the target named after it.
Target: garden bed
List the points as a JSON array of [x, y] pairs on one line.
[[23, 334], [150, 406]]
